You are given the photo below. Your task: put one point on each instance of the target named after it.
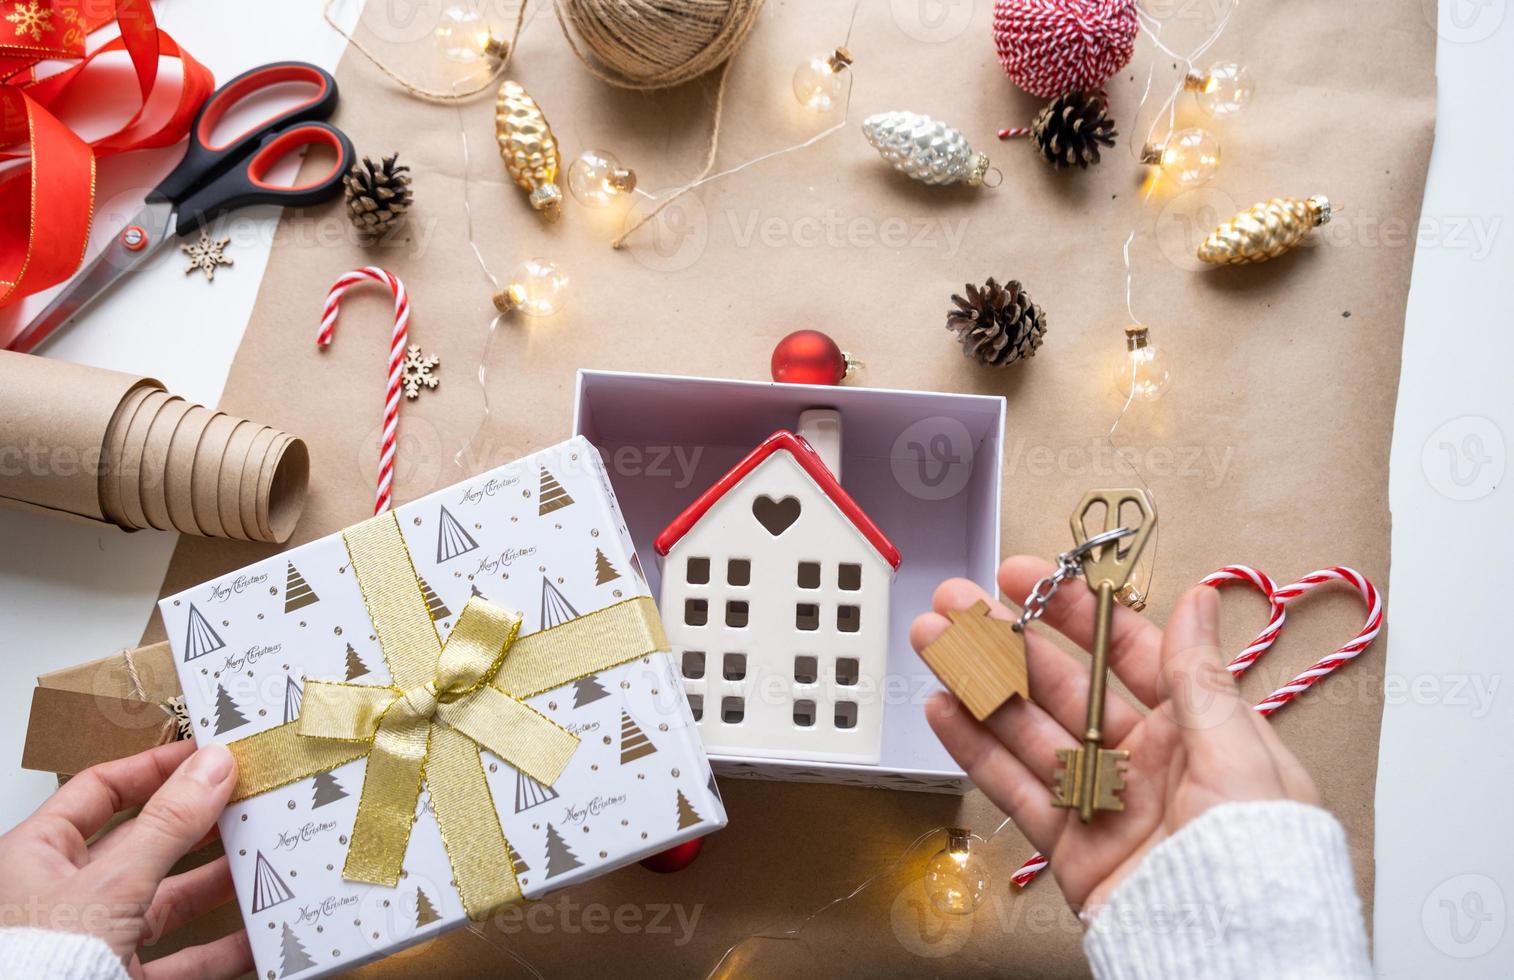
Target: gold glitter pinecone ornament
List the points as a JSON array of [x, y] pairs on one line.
[[1070, 129], [528, 147], [1265, 231], [996, 325], [378, 195]]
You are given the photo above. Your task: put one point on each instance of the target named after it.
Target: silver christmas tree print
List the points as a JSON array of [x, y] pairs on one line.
[[555, 608], [294, 695], [687, 815], [529, 793], [297, 592], [552, 496], [293, 957], [228, 715], [560, 857], [425, 912], [451, 539], [434, 604], [325, 789], [634, 743], [200, 639], [268, 889], [587, 690], [355, 666]]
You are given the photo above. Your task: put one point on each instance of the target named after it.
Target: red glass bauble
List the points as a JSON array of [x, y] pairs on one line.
[[675, 858], [809, 357]]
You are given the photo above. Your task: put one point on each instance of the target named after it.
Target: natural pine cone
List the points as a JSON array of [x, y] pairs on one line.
[[997, 325], [378, 195], [1071, 128]]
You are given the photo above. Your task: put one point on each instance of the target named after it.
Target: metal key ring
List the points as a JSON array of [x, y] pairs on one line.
[[1069, 564], [1100, 540]]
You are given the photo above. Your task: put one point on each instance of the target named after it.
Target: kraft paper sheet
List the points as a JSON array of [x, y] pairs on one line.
[[1270, 448]]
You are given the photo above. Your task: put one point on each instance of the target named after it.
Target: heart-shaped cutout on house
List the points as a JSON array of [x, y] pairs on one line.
[[776, 515]]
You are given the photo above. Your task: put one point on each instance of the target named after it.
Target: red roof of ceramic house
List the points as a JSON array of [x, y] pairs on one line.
[[804, 454]]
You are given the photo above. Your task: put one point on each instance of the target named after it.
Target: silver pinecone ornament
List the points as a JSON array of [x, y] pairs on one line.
[[922, 148]]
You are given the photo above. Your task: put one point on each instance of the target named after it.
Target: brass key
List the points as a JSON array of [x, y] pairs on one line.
[[1090, 776]]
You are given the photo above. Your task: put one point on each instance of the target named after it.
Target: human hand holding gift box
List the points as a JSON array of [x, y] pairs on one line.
[[403, 766]]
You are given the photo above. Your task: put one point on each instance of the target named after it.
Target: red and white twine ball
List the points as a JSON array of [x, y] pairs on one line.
[[1052, 47]]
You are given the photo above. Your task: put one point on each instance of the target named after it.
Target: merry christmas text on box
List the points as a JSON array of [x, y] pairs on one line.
[[542, 536]]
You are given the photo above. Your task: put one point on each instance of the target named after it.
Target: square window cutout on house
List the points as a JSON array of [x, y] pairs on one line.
[[696, 705], [846, 671], [733, 667], [809, 575], [698, 571], [736, 614], [848, 618], [738, 571], [804, 714], [693, 664], [806, 670], [846, 714], [732, 710], [807, 616], [696, 612], [849, 577]]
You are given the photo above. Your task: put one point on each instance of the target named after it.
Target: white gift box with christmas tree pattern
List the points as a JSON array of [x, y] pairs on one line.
[[543, 537]]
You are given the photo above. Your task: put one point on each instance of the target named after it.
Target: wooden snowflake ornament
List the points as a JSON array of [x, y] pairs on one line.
[[206, 254], [418, 370]]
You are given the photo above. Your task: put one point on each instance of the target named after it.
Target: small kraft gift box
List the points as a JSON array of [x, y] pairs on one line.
[[447, 709]]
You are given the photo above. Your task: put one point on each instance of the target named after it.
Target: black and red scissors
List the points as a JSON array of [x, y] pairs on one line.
[[214, 178]]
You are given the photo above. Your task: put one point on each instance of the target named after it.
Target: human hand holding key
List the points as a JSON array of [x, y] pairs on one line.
[[1198, 746]]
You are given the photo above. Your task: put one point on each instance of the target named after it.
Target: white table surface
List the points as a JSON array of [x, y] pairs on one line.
[[1445, 874]]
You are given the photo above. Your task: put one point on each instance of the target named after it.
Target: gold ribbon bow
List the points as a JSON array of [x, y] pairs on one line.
[[447, 701]]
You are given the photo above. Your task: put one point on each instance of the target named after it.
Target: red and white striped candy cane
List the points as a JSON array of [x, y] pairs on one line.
[[397, 344], [1279, 599]]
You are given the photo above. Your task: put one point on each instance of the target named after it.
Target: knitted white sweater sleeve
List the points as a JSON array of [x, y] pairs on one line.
[[1260, 889], [41, 954]]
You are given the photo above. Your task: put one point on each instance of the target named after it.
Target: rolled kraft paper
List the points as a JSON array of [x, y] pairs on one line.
[[247, 498], [128, 473], [54, 418], [204, 480], [115, 450], [229, 480], [155, 462], [182, 452], [282, 498]]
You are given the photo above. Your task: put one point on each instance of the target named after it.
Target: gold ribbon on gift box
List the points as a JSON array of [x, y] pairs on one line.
[[446, 702]]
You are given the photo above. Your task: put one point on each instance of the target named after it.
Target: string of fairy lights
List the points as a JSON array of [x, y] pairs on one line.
[[957, 877]]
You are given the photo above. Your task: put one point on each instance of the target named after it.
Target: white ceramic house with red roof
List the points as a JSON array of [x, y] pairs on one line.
[[775, 598]]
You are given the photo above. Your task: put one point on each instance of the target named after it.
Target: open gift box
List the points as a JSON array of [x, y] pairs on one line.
[[924, 467]]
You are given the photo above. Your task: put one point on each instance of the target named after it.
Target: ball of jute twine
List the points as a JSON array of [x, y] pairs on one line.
[[653, 44]]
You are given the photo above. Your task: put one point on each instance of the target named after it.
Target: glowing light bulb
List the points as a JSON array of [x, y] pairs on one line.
[[537, 288], [956, 879], [1222, 90], [463, 36], [596, 179], [818, 84], [1143, 370], [1190, 156]]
